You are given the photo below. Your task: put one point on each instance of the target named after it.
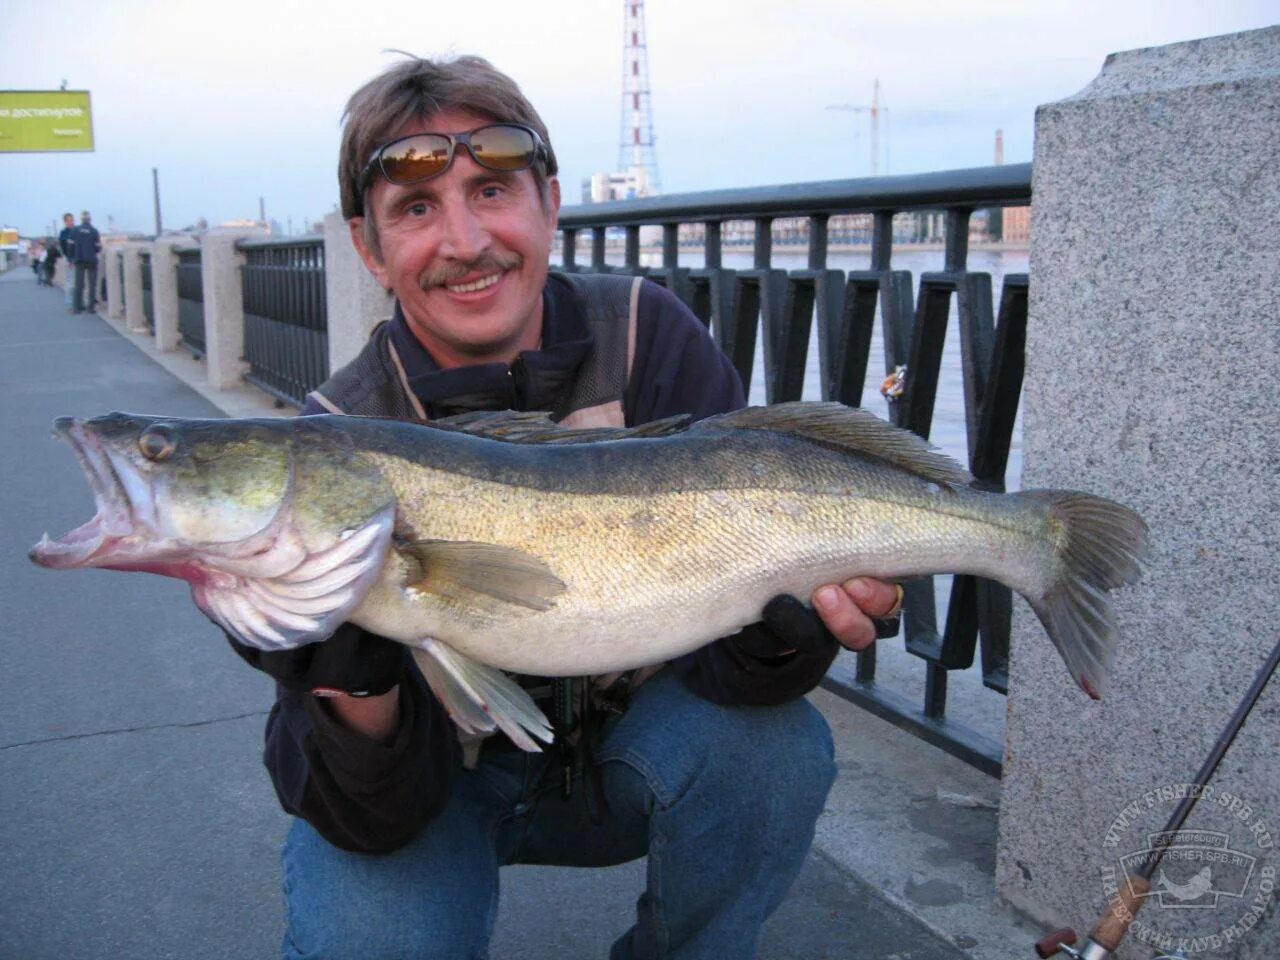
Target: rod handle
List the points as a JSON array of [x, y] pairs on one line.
[[1114, 924]]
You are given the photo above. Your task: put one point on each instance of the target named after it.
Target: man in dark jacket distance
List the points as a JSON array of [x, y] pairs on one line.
[[85, 245], [715, 766]]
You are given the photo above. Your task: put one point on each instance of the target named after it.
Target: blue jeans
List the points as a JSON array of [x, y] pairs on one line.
[[723, 801]]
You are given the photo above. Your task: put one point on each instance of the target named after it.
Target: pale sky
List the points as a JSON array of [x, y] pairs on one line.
[[239, 99]]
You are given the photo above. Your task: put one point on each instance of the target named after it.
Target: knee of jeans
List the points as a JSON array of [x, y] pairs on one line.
[[340, 905], [782, 755]]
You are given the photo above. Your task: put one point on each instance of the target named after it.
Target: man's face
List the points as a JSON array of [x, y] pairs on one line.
[[68, 220], [84, 218], [465, 253]]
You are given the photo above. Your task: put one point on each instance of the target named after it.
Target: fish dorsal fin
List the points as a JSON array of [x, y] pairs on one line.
[[849, 430], [480, 574], [515, 426]]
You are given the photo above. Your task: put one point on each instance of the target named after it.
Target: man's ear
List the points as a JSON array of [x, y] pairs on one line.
[[371, 260], [554, 211]]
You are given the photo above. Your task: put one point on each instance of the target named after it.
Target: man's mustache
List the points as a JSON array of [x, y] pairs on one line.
[[445, 273]]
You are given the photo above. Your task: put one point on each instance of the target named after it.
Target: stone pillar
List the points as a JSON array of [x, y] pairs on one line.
[[220, 265], [164, 290], [111, 253], [1152, 362], [134, 318], [356, 302]]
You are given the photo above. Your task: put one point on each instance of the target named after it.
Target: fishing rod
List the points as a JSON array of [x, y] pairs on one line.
[[1123, 909]]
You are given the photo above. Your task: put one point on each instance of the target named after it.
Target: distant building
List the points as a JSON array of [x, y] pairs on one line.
[[1017, 225], [629, 185]]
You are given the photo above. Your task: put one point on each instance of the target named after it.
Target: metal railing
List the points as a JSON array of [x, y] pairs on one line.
[[190, 300], [286, 338], [148, 304], [782, 306]]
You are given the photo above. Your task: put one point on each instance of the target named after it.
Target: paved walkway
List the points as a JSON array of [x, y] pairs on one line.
[[136, 819]]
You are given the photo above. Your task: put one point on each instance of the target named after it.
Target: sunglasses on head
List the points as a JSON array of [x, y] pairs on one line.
[[506, 147]]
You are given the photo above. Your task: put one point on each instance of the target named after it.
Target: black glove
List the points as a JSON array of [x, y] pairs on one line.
[[786, 625], [352, 660]]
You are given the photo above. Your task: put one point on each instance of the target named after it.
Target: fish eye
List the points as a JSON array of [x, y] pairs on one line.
[[158, 442]]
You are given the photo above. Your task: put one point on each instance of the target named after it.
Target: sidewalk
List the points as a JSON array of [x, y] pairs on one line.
[[136, 818]]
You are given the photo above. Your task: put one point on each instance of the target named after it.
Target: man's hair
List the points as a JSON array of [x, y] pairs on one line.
[[417, 89], [71, 215]]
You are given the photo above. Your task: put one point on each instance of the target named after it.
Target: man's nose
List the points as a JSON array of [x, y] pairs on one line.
[[464, 234]]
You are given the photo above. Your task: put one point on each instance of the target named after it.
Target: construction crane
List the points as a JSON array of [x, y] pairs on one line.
[[874, 110]]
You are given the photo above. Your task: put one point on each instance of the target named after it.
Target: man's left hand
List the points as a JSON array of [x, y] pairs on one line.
[[848, 608]]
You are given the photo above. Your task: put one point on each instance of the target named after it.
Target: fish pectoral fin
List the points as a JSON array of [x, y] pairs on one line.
[[480, 698], [473, 572], [850, 430]]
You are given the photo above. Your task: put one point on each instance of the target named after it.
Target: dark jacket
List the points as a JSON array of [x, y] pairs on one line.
[[373, 797], [64, 241], [85, 243]]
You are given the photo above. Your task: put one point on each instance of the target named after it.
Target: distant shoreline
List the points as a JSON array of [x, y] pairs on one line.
[[800, 249]]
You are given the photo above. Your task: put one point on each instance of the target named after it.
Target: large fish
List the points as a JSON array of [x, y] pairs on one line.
[[502, 543]]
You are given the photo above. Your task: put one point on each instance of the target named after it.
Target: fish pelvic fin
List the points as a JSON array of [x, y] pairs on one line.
[[1100, 545], [478, 574], [479, 698], [849, 430]]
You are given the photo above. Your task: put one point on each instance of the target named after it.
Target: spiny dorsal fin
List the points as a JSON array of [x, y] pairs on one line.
[[848, 429], [478, 574], [514, 426]]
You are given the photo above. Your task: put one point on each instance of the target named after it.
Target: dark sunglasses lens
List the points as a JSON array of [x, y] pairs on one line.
[[503, 147], [415, 158]]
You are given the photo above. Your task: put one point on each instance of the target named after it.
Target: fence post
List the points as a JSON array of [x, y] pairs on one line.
[[1151, 362], [134, 317], [164, 290], [356, 301], [220, 283], [111, 253]]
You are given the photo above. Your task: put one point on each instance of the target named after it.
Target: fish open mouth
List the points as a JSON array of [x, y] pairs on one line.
[[93, 542]]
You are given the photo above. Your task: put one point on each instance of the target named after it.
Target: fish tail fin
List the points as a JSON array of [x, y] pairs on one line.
[[480, 698], [1099, 545]]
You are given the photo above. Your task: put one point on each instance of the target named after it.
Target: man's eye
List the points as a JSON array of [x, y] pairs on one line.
[[416, 209], [491, 192]]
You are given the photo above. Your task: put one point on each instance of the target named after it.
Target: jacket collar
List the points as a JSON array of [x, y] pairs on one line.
[[537, 380]]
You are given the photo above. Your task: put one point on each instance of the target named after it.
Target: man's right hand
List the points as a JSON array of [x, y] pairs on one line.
[[352, 661]]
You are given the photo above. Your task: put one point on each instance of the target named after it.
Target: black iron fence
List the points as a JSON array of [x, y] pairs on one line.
[[148, 304], [190, 300], [782, 306], [286, 340]]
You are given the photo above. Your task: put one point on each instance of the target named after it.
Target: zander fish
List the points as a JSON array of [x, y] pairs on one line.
[[500, 542]]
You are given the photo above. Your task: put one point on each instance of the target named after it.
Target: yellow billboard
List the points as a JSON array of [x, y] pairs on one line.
[[45, 121]]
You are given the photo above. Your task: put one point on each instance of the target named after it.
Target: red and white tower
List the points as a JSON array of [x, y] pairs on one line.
[[637, 159]]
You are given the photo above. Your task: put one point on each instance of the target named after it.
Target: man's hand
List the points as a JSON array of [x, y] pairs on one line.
[[848, 608]]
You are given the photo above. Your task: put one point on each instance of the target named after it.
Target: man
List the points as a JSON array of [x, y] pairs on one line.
[[85, 244], [64, 246], [715, 766]]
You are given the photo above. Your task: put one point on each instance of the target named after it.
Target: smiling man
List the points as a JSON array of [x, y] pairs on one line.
[[714, 762]]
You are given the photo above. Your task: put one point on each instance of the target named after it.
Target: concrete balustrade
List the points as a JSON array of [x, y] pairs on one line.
[[1151, 365], [356, 301], [111, 253], [220, 264], [134, 318], [164, 290]]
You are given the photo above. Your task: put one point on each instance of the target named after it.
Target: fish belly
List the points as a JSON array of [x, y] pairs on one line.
[[649, 578]]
